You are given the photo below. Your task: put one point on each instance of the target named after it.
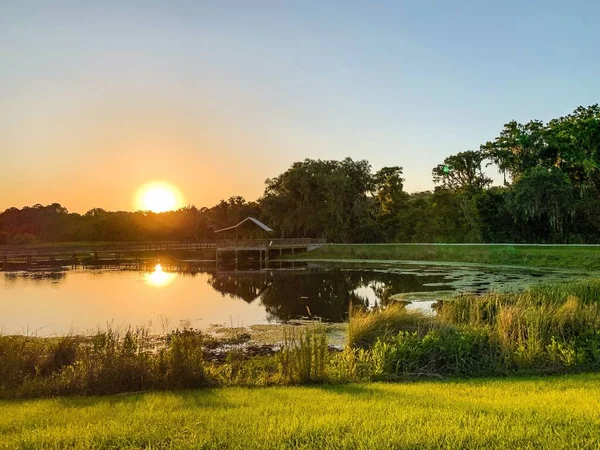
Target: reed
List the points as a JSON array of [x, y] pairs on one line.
[[304, 355], [366, 327]]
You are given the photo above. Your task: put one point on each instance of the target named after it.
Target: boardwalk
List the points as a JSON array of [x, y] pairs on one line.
[[116, 251]]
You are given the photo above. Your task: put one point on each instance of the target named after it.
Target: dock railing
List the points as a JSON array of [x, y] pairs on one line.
[[125, 247], [270, 243]]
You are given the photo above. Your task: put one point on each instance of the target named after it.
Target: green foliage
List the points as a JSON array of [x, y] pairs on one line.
[[542, 200], [443, 351], [108, 363], [544, 328], [304, 356], [366, 327], [497, 223], [53, 223], [320, 198], [520, 147], [103, 364], [23, 358], [183, 361], [541, 330], [462, 171]]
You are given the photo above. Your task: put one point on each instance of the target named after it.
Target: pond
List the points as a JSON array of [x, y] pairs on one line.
[[162, 296]]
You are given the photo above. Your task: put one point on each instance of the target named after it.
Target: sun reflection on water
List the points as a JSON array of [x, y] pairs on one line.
[[159, 278]]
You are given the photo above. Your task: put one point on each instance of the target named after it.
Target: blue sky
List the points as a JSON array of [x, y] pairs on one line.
[[98, 98]]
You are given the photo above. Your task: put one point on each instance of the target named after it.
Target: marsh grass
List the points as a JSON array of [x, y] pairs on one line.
[[106, 363], [27, 357], [304, 355], [110, 362], [366, 327], [546, 329]]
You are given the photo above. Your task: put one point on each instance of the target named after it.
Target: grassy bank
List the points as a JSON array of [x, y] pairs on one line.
[[544, 330], [572, 257], [550, 412]]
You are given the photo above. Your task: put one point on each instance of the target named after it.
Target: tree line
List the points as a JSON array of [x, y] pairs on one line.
[[550, 194]]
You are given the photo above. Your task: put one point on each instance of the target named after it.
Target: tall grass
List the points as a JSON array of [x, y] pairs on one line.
[[304, 355], [108, 363], [552, 328], [545, 329], [548, 327], [103, 364], [23, 358], [366, 327]]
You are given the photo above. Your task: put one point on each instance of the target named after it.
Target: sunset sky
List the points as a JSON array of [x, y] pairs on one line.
[[100, 98]]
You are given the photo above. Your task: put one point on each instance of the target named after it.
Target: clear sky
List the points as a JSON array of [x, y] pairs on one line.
[[98, 98]]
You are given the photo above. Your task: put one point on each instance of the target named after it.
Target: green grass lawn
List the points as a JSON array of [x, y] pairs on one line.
[[573, 257], [551, 412]]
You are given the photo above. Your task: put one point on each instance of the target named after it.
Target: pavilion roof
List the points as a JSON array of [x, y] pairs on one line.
[[256, 222]]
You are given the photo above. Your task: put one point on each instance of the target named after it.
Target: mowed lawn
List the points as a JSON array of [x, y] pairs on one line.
[[549, 412], [566, 257]]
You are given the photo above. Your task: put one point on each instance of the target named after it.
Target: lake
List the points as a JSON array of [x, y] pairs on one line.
[[165, 295]]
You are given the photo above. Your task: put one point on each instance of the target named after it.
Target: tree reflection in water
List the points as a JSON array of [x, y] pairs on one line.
[[49, 277], [317, 291], [286, 290]]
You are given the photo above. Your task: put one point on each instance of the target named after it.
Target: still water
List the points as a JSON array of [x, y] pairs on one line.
[[164, 296]]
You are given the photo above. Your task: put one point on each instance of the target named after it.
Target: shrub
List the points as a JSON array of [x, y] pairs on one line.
[[184, 360]]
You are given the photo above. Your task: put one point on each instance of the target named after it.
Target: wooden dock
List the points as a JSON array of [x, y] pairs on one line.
[[267, 247], [74, 253]]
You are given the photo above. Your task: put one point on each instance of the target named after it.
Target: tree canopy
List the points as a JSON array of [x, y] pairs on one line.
[[551, 193]]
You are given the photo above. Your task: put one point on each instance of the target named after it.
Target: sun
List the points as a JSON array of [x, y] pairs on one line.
[[158, 197]]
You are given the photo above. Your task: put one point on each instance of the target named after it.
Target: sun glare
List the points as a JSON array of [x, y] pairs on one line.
[[159, 278], [158, 197]]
